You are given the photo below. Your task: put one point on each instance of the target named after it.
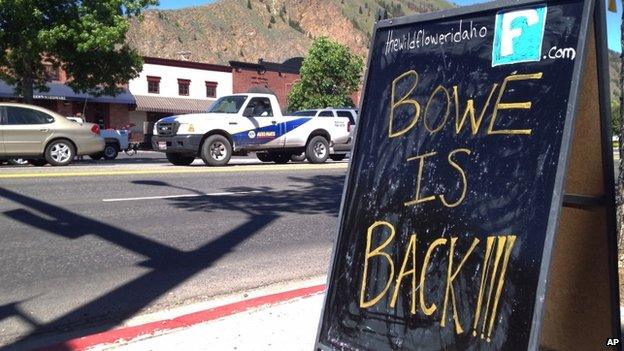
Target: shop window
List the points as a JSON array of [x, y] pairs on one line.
[[183, 87], [211, 89], [153, 85]]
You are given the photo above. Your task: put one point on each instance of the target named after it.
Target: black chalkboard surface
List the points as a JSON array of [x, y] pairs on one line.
[[456, 182]]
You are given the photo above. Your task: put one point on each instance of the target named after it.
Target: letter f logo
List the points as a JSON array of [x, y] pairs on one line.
[[518, 36]]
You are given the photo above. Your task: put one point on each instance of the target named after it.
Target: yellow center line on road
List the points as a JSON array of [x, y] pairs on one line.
[[230, 169]]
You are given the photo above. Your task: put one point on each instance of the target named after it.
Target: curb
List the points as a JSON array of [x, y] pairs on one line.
[[131, 333]]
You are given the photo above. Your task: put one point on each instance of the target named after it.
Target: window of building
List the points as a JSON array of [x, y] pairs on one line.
[[211, 89], [23, 116], [183, 87], [51, 73], [153, 85]]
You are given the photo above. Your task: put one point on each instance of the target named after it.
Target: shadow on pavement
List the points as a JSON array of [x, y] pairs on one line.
[[170, 267], [13, 310], [318, 195]]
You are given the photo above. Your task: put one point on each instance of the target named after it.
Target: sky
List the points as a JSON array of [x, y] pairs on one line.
[[613, 20]]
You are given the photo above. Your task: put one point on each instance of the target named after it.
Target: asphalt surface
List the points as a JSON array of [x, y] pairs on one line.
[[92, 250]]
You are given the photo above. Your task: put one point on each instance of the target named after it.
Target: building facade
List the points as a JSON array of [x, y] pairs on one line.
[[167, 87], [107, 111], [276, 77]]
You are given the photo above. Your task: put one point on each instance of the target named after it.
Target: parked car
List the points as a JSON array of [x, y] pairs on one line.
[[42, 136], [241, 123], [340, 149], [115, 141]]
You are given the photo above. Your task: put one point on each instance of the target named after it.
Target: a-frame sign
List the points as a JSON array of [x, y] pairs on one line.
[[478, 212]]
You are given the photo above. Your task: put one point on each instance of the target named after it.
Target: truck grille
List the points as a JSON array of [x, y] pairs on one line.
[[167, 129]]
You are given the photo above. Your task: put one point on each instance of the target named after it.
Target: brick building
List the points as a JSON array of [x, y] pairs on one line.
[[277, 77], [171, 87], [107, 111]]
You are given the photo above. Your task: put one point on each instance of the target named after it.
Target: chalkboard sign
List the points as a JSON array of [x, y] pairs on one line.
[[452, 212]]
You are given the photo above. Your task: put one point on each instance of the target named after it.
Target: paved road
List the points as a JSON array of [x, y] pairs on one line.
[[95, 250]]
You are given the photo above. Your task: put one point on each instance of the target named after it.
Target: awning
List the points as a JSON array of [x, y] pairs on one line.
[[171, 105], [62, 92]]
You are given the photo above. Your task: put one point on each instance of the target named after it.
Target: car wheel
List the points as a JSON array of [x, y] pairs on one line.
[[38, 162], [281, 158], [60, 152], [110, 151], [298, 157], [97, 156], [317, 150], [18, 162], [216, 150], [264, 157], [337, 157], [180, 159]]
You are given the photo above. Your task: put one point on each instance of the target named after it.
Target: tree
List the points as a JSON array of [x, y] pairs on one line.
[[329, 76], [615, 117], [85, 38], [249, 4]]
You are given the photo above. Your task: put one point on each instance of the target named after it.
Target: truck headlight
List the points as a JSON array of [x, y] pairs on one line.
[[186, 128]]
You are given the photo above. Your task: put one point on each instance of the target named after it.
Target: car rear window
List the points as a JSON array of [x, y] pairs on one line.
[[348, 115], [21, 116]]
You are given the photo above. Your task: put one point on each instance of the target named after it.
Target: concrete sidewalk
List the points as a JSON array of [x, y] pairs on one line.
[[282, 316], [290, 325]]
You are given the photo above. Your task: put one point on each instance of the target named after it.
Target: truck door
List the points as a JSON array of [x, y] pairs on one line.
[[266, 126]]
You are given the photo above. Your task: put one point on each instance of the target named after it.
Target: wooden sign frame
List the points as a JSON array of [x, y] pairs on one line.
[[577, 298]]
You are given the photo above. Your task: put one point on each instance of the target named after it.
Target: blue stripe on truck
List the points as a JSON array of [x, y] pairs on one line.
[[257, 136]]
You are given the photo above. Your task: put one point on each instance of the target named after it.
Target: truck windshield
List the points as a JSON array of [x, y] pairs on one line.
[[228, 104], [304, 113]]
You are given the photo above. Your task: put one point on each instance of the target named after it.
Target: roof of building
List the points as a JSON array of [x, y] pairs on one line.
[[163, 104], [186, 64], [292, 65]]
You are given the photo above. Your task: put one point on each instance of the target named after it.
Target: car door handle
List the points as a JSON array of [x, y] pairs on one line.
[[274, 122], [233, 123], [44, 130]]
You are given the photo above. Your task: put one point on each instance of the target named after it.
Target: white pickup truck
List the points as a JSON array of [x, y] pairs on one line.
[[240, 123]]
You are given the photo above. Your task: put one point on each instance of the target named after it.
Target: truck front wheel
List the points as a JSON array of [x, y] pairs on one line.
[[216, 150], [317, 150], [180, 159]]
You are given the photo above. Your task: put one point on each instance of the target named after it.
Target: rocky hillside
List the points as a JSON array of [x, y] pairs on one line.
[[275, 30], [614, 75]]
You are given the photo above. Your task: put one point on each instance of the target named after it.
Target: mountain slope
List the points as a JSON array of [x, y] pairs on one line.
[[614, 75], [271, 29]]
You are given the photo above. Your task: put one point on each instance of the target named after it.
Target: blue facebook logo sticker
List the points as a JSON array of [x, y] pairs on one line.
[[518, 36]]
